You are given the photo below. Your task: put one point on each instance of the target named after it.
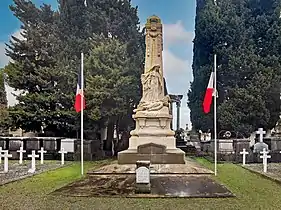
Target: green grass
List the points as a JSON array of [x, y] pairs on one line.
[[252, 191]]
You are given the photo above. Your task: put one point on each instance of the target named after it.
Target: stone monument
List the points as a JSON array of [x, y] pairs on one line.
[[153, 138]]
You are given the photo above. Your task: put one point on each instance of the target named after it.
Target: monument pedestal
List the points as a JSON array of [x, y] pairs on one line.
[[152, 140]]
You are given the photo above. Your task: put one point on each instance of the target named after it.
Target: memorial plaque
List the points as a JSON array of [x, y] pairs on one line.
[[142, 175], [15, 145], [32, 144]]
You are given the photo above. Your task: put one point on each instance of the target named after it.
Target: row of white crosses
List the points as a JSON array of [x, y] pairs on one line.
[[32, 156], [264, 157], [264, 153]]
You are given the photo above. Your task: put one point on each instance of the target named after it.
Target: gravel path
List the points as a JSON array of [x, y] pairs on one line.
[[273, 170], [17, 172]]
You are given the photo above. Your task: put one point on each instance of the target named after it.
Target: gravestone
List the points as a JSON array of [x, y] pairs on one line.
[[33, 167], [264, 157], [6, 155], [68, 144], [42, 151], [143, 177], [244, 153], [50, 145], [260, 146], [21, 151], [32, 144], [62, 152], [15, 145]]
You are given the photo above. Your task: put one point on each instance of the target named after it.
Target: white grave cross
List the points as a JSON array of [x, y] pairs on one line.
[[244, 153], [264, 158], [21, 151], [6, 156], [62, 155], [33, 156], [42, 151], [260, 132]]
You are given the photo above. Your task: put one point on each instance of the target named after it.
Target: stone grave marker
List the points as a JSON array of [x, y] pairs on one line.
[[264, 157], [259, 146], [32, 144], [143, 177], [42, 151], [244, 153], [50, 144], [33, 156], [6, 156], [14, 144], [21, 151], [68, 144], [62, 152]]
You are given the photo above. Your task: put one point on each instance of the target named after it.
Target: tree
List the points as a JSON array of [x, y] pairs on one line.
[[3, 104], [46, 61], [112, 87], [35, 70], [245, 36]]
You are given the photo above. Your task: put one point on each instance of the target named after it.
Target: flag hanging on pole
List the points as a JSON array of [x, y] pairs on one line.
[[209, 95], [79, 96]]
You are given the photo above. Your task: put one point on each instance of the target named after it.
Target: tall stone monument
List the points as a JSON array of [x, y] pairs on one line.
[[153, 138]]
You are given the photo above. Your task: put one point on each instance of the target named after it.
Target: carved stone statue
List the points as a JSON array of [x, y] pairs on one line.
[[152, 86]]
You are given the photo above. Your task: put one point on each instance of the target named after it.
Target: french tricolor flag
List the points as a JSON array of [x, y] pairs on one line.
[[210, 92], [79, 104]]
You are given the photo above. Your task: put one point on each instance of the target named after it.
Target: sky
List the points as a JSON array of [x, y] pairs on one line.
[[178, 18]]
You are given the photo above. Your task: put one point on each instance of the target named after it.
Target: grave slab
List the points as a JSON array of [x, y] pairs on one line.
[[191, 186]]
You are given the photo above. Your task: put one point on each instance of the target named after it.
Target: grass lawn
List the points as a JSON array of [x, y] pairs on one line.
[[252, 191]]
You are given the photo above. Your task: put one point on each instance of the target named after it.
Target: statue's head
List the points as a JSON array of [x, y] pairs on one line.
[[157, 67]]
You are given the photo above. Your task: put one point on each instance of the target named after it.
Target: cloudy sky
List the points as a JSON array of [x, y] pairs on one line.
[[178, 19]]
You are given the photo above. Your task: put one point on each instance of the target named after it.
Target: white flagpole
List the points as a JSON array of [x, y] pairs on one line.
[[215, 111], [82, 120]]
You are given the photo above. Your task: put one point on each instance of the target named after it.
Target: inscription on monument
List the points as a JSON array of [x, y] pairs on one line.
[[142, 175], [151, 148]]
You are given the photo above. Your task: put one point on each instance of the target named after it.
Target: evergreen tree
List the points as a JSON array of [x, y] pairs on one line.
[[3, 104], [244, 34], [112, 87], [36, 71], [46, 61]]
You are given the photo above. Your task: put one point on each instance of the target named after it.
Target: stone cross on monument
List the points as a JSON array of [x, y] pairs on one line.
[[42, 151], [62, 152], [153, 139], [21, 151], [33, 156], [244, 153], [261, 132], [6, 156], [264, 157]]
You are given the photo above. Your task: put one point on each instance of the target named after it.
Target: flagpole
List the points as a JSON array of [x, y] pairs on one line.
[[215, 111], [82, 108]]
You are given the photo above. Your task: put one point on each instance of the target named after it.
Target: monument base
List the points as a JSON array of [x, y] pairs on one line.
[[152, 140], [175, 156]]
